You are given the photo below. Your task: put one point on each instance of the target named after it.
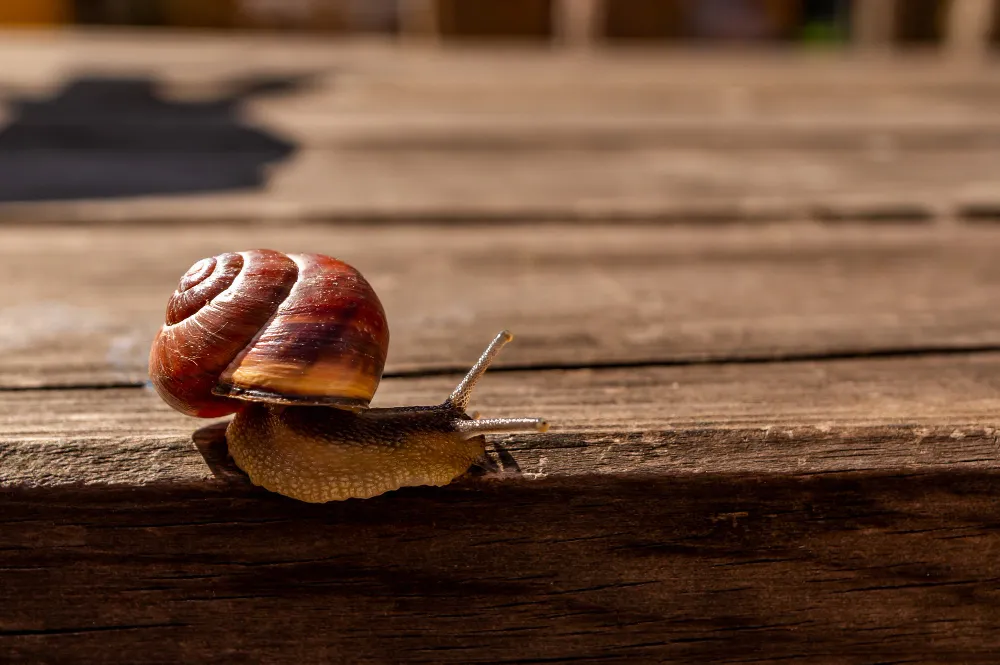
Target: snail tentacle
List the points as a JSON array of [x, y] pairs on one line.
[[459, 398], [472, 425], [500, 426]]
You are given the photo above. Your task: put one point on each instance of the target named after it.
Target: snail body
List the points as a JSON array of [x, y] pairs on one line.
[[295, 346], [331, 454]]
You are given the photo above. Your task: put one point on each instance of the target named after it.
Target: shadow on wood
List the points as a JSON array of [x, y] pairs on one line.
[[116, 137], [211, 443]]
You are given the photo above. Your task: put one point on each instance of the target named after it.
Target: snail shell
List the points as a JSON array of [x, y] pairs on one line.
[[264, 326]]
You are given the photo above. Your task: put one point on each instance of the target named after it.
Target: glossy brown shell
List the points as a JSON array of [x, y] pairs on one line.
[[265, 326]]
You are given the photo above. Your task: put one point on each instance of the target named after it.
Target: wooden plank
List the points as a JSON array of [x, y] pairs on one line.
[[370, 77], [868, 178], [89, 300], [833, 512], [613, 90], [468, 118], [588, 148], [851, 130], [817, 132], [824, 569], [323, 109], [917, 414]]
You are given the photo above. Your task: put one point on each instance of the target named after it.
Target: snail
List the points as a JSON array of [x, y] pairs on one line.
[[294, 345]]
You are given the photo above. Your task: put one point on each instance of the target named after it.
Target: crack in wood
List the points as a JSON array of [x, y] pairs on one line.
[[926, 351], [87, 629]]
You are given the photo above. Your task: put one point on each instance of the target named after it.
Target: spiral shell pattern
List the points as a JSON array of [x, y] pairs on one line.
[[264, 326]]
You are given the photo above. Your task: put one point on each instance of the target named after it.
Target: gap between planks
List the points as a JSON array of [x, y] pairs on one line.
[[458, 371]]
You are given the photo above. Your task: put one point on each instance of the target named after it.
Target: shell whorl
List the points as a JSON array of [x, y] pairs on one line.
[[265, 326]]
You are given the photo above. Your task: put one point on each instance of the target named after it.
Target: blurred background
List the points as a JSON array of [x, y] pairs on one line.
[[611, 134], [121, 110], [838, 21]]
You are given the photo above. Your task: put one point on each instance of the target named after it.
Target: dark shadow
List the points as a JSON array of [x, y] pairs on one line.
[[668, 567], [100, 137], [211, 443], [501, 462]]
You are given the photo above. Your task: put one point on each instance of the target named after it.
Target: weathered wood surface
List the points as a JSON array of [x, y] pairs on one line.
[[895, 414], [835, 512], [88, 301], [631, 134], [866, 179], [703, 495], [829, 569]]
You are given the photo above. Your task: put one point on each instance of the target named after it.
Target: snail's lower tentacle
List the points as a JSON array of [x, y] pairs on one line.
[[500, 425]]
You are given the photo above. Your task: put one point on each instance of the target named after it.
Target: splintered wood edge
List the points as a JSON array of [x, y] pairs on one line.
[[913, 415]]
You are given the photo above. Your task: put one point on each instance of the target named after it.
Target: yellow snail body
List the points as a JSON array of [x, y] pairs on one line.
[[295, 346]]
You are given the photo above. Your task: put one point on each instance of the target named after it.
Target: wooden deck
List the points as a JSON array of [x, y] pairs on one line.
[[755, 294]]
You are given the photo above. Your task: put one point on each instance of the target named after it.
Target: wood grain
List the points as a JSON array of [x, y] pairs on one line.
[[840, 511], [460, 177], [353, 92], [827, 569], [372, 74], [394, 134], [694, 501], [88, 300], [917, 414]]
